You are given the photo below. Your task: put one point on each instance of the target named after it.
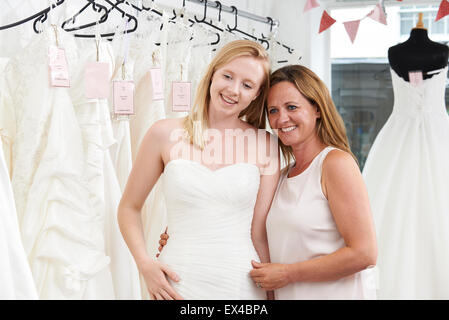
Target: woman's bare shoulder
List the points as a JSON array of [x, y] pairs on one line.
[[339, 164], [162, 129], [337, 158]]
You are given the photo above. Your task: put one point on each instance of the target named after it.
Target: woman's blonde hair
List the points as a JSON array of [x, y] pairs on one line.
[[196, 123], [330, 126]]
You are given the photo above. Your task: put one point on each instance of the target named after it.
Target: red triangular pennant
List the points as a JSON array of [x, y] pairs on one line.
[[443, 10], [310, 4], [326, 21], [378, 14], [351, 28]]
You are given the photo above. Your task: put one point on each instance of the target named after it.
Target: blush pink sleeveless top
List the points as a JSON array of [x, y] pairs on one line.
[[300, 227]]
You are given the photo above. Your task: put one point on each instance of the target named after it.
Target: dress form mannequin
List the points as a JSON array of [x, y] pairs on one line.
[[418, 53], [407, 176]]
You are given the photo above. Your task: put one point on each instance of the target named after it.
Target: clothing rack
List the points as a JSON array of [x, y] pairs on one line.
[[233, 10], [213, 4], [42, 16], [217, 5]]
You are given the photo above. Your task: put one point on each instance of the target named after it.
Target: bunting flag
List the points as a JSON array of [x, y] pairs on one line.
[[310, 4], [326, 21], [378, 14], [443, 10], [351, 28]]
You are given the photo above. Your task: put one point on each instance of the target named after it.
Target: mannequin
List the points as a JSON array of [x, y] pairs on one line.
[[418, 53], [407, 176]]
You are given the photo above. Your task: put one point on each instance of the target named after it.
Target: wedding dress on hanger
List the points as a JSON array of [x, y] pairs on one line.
[[95, 122], [177, 60], [61, 234], [146, 55], [15, 274], [121, 151]]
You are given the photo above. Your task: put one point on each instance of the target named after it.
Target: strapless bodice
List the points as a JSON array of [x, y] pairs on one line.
[[209, 215], [426, 97]]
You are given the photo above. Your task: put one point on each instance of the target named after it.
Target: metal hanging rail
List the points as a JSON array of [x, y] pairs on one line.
[[216, 5]]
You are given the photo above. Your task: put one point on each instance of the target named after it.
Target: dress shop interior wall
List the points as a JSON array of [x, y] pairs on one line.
[[296, 29]]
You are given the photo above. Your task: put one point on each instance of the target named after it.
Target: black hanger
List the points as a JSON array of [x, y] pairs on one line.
[[40, 15], [210, 24], [149, 9], [104, 18], [271, 22], [263, 41], [204, 21], [90, 3], [218, 3]]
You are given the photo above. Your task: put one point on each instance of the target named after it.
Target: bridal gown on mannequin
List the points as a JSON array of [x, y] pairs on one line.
[[209, 220], [407, 177]]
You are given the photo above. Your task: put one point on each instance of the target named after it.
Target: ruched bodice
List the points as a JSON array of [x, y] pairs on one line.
[[209, 215], [426, 97]]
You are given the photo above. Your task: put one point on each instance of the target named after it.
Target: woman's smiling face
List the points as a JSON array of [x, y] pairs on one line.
[[290, 114], [236, 84]]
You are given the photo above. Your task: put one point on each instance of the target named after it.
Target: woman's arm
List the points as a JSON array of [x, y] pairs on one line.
[[345, 190], [268, 183], [146, 170]]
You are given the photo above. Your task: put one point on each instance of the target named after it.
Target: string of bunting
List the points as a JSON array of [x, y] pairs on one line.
[[377, 14]]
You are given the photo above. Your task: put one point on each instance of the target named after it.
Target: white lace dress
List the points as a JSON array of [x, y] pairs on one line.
[[15, 273], [62, 234]]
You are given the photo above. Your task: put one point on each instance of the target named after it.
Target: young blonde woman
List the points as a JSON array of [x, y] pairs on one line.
[[219, 177], [320, 230]]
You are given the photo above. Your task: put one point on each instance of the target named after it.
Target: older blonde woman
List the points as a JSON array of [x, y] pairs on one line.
[[320, 230]]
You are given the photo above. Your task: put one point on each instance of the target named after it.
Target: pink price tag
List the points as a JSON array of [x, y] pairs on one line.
[[181, 96], [415, 78], [157, 84], [96, 80], [58, 67], [123, 97]]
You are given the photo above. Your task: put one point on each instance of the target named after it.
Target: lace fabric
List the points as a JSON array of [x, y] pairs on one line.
[[57, 174]]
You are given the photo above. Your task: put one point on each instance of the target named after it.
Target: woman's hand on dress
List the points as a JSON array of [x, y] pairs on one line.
[[155, 274], [269, 276]]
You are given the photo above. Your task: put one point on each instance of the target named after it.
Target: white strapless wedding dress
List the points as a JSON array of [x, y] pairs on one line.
[[407, 177], [209, 216]]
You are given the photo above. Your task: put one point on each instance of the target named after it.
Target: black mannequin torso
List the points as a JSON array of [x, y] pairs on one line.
[[418, 53]]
